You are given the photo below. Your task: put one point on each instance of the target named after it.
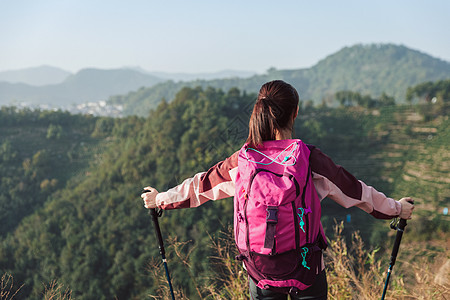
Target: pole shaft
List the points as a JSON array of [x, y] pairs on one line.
[[400, 229], [162, 251], [154, 216], [169, 281], [386, 284]]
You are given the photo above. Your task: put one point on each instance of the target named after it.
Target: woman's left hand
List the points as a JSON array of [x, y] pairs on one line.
[[149, 197], [407, 208]]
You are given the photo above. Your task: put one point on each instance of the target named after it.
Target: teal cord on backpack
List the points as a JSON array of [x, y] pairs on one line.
[[304, 252], [301, 223], [275, 160]]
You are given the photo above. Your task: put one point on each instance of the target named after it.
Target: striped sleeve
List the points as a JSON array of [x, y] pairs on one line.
[[217, 183], [334, 182]]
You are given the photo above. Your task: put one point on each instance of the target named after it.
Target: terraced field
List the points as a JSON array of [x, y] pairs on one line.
[[404, 151]]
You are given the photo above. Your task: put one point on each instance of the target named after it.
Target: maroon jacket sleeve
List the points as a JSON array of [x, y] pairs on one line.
[[336, 183], [216, 183]]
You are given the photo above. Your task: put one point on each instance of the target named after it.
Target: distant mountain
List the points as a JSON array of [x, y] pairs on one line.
[[368, 69], [197, 76], [85, 86], [37, 76], [205, 76]]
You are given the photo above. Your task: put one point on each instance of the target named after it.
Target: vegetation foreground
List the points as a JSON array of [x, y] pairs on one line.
[[353, 270]]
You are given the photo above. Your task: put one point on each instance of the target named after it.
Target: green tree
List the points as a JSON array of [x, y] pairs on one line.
[[54, 131], [7, 152], [428, 90], [386, 100], [348, 98]]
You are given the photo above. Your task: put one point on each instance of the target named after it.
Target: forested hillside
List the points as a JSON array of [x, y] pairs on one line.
[[39, 153], [90, 231], [368, 69]]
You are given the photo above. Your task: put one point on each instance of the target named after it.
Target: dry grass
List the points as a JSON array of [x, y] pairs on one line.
[[54, 291], [57, 291], [231, 282], [7, 290], [354, 273], [155, 269], [422, 271], [233, 278]]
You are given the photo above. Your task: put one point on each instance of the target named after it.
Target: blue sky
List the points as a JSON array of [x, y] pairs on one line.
[[208, 36]]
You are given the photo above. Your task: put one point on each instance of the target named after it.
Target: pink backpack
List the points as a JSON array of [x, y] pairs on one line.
[[277, 216]]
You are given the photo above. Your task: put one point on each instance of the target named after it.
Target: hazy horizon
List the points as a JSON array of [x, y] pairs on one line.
[[139, 68]]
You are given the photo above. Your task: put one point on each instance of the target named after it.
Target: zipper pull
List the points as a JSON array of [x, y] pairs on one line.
[[305, 251], [301, 223]]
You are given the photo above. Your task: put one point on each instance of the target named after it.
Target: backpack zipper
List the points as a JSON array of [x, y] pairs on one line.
[[304, 204]]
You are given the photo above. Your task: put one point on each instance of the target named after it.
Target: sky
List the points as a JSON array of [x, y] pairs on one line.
[[210, 35]]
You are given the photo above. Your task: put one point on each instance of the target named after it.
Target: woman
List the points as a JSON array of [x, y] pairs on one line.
[[272, 120]]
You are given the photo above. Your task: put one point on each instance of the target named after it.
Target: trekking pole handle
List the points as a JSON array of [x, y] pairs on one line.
[[400, 229]]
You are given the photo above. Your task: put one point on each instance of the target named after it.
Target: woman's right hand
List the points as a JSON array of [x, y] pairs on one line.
[[149, 197], [407, 208]]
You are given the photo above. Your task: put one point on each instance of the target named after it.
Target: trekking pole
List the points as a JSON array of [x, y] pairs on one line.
[[155, 215], [400, 229]]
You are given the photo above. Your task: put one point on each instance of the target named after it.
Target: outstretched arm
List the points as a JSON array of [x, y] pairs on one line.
[[217, 183], [338, 184]]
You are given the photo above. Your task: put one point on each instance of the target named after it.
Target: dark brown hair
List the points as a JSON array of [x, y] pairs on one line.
[[273, 112]]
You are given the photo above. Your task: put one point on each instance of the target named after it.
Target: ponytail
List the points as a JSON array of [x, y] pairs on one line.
[[273, 112]]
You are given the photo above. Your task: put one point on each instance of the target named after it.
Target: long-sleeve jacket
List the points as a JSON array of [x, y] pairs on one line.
[[330, 180]]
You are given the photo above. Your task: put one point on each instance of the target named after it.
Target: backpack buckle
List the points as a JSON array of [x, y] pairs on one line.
[[272, 215], [271, 225]]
